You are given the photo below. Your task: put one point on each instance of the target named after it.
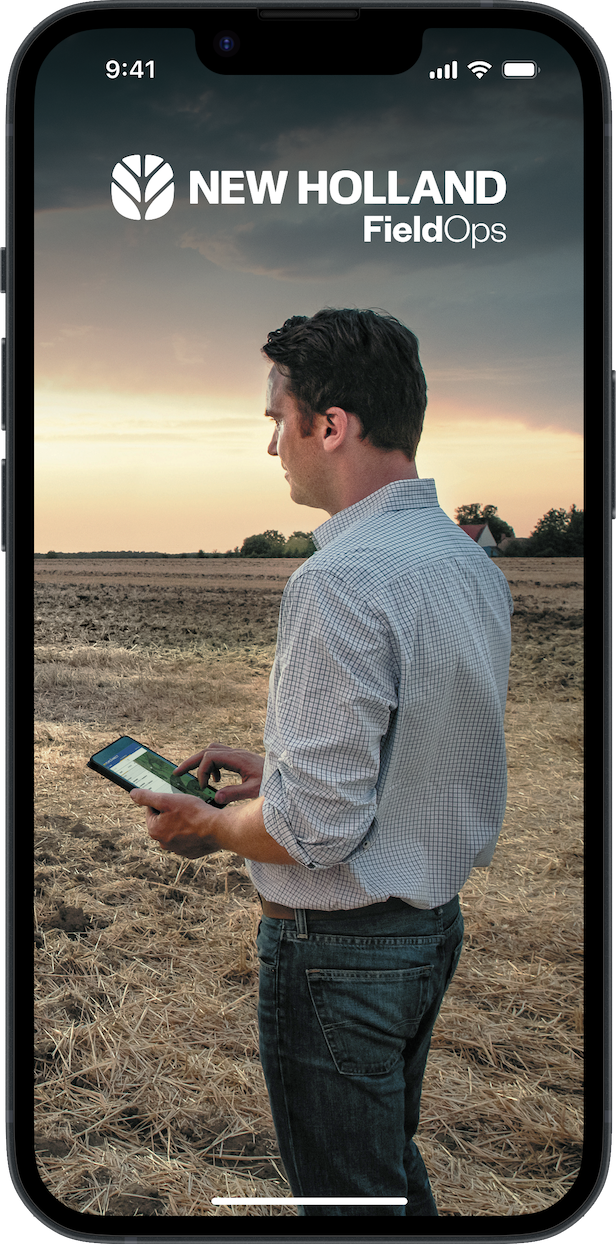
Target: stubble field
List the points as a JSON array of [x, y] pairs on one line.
[[150, 1096]]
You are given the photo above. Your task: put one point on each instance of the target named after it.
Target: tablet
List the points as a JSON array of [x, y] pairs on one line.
[[131, 764]]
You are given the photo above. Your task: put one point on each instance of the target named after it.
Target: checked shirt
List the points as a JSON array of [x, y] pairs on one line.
[[385, 768]]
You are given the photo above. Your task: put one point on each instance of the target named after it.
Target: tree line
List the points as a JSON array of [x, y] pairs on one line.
[[265, 544], [274, 544], [560, 533]]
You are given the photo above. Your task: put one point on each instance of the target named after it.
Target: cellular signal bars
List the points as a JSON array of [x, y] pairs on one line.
[[446, 71]]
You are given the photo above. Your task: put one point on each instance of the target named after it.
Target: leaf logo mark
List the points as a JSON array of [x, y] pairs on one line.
[[158, 187]]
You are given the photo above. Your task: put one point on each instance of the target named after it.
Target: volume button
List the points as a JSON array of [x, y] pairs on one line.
[[4, 505], [3, 343], [3, 382]]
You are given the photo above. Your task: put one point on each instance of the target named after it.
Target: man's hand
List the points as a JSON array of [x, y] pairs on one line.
[[217, 756], [180, 823], [188, 826]]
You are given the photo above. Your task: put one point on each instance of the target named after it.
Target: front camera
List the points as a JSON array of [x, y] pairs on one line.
[[226, 43]]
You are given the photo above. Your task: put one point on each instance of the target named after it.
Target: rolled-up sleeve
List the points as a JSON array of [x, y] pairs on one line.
[[332, 694]]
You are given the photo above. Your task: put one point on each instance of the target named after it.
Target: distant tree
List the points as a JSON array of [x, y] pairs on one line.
[[514, 548], [277, 542], [300, 544], [200, 553], [255, 546], [467, 515], [498, 527], [560, 533], [267, 544], [51, 553], [576, 531]]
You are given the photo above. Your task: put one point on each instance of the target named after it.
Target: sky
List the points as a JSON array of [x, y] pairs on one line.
[[150, 383]]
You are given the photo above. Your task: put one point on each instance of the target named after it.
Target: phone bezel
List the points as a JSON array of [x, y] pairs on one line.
[[599, 482]]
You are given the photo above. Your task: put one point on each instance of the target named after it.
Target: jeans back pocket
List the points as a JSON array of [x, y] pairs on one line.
[[367, 1016]]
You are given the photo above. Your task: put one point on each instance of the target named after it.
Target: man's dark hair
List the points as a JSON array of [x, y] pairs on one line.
[[364, 362]]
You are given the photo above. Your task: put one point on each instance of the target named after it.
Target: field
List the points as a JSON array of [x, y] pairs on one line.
[[150, 1096]]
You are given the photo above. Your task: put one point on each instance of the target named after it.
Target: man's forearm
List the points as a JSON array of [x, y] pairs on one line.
[[240, 828]]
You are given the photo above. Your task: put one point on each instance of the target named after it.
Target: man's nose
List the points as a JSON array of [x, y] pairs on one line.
[[273, 445]]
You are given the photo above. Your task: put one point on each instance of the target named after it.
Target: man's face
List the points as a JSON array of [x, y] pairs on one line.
[[299, 455]]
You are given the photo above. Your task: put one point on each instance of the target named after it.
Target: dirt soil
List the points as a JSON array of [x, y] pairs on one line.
[[144, 602], [150, 1096]]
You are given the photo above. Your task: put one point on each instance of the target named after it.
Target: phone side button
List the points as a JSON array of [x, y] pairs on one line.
[[3, 383], [4, 505], [3, 270]]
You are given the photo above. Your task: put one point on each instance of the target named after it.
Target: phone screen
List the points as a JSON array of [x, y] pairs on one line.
[[189, 198], [144, 768]]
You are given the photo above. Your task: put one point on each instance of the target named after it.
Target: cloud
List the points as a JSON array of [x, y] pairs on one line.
[[308, 247], [69, 332], [139, 434], [184, 352]]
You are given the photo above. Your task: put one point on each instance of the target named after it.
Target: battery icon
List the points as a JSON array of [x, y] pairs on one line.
[[520, 69]]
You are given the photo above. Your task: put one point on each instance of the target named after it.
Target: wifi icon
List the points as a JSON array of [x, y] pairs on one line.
[[479, 67]]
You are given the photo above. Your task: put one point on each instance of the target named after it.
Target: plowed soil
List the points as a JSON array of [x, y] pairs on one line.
[[150, 1096], [213, 606]]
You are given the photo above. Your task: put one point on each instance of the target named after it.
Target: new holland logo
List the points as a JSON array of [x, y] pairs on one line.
[[158, 187]]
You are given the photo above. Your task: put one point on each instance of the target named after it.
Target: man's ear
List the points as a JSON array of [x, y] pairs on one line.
[[336, 428]]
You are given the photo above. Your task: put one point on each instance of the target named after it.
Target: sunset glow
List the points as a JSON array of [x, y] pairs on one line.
[[150, 385]]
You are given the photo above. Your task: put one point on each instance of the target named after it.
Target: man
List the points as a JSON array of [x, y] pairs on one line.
[[384, 780]]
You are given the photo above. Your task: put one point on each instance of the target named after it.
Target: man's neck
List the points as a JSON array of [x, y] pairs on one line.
[[386, 467]]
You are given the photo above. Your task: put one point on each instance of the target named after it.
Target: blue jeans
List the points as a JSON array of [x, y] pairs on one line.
[[345, 1022]]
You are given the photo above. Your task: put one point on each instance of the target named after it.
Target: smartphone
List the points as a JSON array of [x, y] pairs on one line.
[[129, 764], [180, 186]]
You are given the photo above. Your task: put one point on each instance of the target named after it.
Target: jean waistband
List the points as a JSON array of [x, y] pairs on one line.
[[277, 911]]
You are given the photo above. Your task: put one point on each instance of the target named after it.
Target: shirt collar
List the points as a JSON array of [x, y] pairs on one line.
[[402, 494]]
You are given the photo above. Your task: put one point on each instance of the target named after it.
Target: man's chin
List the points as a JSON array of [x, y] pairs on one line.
[[299, 497]]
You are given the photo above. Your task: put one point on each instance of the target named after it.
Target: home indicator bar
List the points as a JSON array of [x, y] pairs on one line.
[[309, 1200]]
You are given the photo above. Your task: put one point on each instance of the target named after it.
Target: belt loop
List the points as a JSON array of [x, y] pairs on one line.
[[300, 921]]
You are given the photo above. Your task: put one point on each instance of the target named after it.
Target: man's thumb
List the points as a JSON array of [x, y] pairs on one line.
[[223, 795], [228, 794], [147, 798]]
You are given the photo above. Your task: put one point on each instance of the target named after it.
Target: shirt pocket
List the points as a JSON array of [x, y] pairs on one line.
[[367, 1016]]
